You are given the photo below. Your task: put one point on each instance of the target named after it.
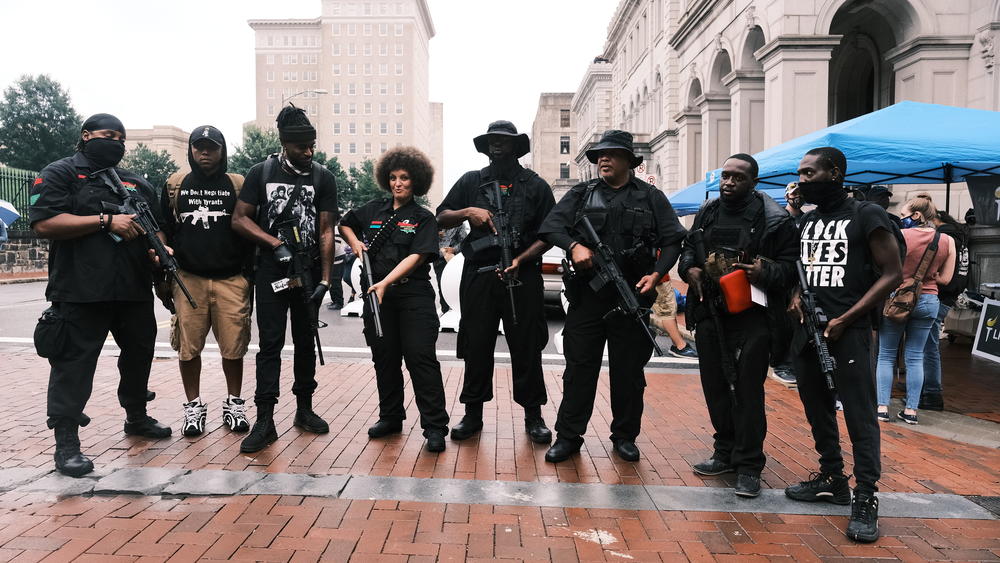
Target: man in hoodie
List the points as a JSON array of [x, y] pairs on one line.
[[198, 210], [289, 202], [746, 231]]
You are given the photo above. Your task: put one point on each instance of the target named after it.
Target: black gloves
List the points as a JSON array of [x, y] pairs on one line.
[[318, 293], [282, 253]]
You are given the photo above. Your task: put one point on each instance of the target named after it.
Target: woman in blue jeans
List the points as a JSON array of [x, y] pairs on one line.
[[918, 231]]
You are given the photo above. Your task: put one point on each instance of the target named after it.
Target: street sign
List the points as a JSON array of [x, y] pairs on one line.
[[987, 341], [641, 169], [651, 179]]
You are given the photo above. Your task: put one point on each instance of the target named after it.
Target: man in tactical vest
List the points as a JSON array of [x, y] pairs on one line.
[[288, 208], [743, 237], [637, 223], [100, 281], [488, 294]]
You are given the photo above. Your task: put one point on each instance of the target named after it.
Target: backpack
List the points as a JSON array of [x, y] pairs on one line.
[[174, 188], [960, 277]]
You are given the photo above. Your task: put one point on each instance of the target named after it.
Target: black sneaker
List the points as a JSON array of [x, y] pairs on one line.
[[883, 416], [822, 486], [783, 376], [863, 526], [435, 441], [685, 352], [148, 427], [907, 418], [712, 466], [747, 486], [195, 413]]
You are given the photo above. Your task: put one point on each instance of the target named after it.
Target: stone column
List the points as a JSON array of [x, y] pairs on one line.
[[746, 90], [932, 69], [796, 85], [691, 169], [716, 123]]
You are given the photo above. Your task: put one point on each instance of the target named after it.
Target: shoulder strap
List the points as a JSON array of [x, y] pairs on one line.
[[237, 181], [174, 189], [591, 185], [929, 253]]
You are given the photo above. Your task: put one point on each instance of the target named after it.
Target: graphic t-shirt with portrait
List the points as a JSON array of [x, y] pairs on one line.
[[271, 195], [836, 256]]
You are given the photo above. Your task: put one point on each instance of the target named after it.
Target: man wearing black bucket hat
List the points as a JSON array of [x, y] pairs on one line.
[[100, 281], [635, 220], [526, 199], [287, 187]]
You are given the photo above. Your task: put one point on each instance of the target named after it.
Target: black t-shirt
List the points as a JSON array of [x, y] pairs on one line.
[[527, 200], [269, 196], [836, 256], [200, 230], [415, 232], [91, 268]]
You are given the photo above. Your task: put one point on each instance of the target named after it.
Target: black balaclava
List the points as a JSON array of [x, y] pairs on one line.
[[824, 194], [101, 152]]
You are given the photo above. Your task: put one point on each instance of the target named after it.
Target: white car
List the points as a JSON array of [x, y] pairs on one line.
[[552, 271]]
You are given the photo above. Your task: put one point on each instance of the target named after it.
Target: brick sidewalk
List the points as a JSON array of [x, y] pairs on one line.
[[676, 433]]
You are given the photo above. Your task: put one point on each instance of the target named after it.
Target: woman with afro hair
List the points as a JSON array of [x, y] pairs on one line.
[[400, 238]]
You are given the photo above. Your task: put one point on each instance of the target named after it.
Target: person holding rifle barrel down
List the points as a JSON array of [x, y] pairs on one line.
[[100, 281], [741, 239], [288, 207], [850, 253], [397, 240], [638, 239], [504, 204]]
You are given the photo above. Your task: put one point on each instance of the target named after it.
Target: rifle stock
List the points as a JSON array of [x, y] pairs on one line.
[[371, 298], [815, 320], [708, 295], [606, 272], [134, 205]]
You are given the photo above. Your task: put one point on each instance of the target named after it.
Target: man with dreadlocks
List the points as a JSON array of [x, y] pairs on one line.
[[287, 187]]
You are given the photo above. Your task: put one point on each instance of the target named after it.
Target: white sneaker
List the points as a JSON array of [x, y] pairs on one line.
[[234, 414], [195, 413]]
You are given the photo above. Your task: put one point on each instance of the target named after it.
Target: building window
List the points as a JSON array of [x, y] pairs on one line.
[[310, 59], [368, 89], [336, 69], [336, 108], [335, 29], [382, 147], [564, 171], [383, 108], [399, 69], [399, 49], [368, 129], [399, 127], [368, 148], [336, 148], [368, 69], [352, 89], [352, 128], [399, 108], [399, 8], [352, 109], [383, 29], [368, 108], [270, 93], [352, 49], [564, 145], [383, 69], [383, 89], [564, 118], [383, 50], [270, 109], [399, 88], [336, 128], [270, 59], [383, 128], [352, 69], [335, 49], [270, 76], [398, 29], [368, 9], [368, 49], [367, 29], [352, 148], [336, 88], [352, 29]]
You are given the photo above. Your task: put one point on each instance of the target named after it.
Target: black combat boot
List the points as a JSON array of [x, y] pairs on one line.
[[263, 433], [138, 423], [308, 420], [69, 460], [534, 425], [470, 424]]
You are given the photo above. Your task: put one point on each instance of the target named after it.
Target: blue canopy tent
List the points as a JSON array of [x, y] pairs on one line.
[[905, 143], [689, 200]]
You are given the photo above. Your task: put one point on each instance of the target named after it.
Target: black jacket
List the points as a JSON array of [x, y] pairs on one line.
[[779, 244]]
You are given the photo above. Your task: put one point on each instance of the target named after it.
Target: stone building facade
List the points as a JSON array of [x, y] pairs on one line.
[[168, 138], [697, 80], [360, 70], [553, 139]]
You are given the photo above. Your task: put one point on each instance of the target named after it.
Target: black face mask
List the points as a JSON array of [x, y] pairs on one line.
[[104, 153], [823, 194]]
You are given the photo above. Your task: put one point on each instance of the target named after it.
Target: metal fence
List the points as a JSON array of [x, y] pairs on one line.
[[15, 185]]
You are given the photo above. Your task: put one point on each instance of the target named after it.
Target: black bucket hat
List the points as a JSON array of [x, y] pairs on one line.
[[522, 145], [614, 139]]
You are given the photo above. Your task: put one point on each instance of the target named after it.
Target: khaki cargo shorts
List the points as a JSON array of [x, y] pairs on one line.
[[665, 305], [223, 306]]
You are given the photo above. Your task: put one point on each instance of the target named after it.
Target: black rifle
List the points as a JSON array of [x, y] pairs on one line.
[[371, 298], [606, 272], [504, 239], [133, 204], [814, 319], [300, 274], [709, 295]]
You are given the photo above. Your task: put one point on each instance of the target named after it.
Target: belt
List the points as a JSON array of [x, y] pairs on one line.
[[400, 281]]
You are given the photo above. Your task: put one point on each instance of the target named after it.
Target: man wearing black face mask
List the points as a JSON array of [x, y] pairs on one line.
[[527, 199], [97, 285], [850, 251], [750, 229]]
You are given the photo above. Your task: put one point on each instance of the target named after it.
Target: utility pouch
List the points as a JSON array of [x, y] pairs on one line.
[[735, 290], [50, 333]]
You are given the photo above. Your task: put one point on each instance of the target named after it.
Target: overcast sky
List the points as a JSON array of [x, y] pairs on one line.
[[189, 62]]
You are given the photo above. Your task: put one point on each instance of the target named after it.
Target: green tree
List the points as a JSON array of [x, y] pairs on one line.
[[37, 123], [156, 167], [360, 187], [257, 145]]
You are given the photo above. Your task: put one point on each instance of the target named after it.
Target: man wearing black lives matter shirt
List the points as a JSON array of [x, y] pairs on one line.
[[287, 187], [850, 252], [198, 211], [100, 281]]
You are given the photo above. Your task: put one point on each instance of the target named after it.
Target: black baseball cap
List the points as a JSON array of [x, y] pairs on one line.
[[207, 132]]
